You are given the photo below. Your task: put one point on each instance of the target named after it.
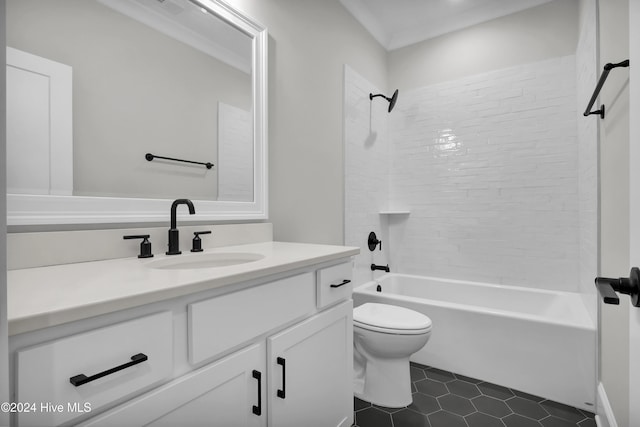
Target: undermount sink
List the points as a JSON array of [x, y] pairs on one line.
[[211, 260]]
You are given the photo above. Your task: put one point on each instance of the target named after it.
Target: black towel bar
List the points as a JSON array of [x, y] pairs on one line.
[[596, 92], [150, 157]]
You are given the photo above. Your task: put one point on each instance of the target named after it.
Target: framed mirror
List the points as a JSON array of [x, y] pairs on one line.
[[117, 107]]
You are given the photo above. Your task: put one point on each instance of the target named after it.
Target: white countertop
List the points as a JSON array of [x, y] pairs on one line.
[[47, 296]]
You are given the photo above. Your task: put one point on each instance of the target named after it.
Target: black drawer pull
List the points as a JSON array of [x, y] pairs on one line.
[[344, 282], [282, 393], [78, 380], [257, 410]]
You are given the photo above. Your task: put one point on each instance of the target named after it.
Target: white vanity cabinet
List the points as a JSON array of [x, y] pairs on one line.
[[62, 379], [229, 392], [275, 353], [302, 378], [310, 371], [224, 322]]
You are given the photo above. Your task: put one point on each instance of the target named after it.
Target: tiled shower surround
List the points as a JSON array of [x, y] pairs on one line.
[[487, 165]]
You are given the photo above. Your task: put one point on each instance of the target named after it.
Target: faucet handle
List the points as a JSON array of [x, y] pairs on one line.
[[145, 245], [197, 242]]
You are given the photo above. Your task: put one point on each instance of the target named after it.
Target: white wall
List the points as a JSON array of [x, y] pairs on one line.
[[535, 34], [488, 166], [614, 205], [310, 41]]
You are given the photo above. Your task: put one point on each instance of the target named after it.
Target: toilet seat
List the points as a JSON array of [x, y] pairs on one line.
[[390, 319]]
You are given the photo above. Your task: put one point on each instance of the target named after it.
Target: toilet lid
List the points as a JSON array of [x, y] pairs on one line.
[[392, 317]]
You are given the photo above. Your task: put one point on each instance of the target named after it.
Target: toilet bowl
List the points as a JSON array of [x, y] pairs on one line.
[[384, 336]]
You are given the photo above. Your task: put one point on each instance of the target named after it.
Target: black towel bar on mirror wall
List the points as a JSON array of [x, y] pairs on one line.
[[605, 73], [150, 157]]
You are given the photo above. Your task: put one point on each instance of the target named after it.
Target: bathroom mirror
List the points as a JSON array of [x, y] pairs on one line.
[[95, 86]]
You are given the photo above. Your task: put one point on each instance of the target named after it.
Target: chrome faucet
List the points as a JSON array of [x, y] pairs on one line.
[[174, 235]]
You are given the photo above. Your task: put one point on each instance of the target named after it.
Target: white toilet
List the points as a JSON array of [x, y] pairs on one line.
[[384, 336]]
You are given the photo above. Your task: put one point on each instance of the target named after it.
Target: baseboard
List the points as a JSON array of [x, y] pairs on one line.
[[604, 417]]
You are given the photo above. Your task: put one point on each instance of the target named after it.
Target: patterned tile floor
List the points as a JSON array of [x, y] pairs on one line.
[[444, 399]]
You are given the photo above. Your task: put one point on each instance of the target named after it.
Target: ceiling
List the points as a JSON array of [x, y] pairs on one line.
[[399, 23], [192, 25]]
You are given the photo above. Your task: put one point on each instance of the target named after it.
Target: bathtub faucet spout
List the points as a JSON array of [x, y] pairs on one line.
[[380, 267]]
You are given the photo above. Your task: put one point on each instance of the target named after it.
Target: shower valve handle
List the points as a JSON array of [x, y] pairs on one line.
[[607, 287], [373, 241]]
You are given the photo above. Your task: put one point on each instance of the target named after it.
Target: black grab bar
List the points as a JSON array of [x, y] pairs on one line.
[[608, 67], [150, 157]]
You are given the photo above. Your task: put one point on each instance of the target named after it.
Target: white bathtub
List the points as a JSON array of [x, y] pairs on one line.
[[536, 341]]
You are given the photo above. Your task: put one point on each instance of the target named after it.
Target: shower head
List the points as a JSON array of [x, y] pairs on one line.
[[392, 100]]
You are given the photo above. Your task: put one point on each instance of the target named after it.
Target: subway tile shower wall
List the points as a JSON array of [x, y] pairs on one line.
[[488, 166], [367, 166]]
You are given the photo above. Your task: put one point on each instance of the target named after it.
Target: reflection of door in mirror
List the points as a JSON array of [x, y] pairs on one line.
[[148, 77], [39, 125]]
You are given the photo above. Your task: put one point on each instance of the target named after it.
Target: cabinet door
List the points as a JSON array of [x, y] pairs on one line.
[[310, 367], [230, 392]]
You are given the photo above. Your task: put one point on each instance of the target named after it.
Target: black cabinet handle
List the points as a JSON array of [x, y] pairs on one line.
[[80, 379], [257, 410], [344, 282], [282, 393]]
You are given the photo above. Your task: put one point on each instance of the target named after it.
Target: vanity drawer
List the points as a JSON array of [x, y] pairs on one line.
[[45, 373], [334, 283], [221, 323]]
